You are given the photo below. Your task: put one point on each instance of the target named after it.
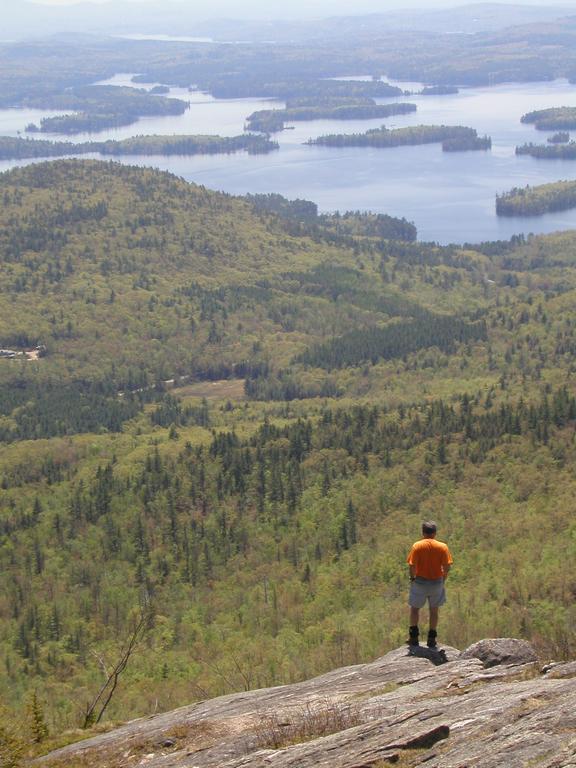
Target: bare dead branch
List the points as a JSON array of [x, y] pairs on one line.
[[96, 709]]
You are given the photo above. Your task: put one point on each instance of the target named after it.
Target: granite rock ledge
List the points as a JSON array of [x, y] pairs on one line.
[[487, 707]]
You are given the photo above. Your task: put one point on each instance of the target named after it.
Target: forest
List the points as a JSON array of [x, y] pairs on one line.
[[536, 201], [18, 148], [393, 340], [244, 410]]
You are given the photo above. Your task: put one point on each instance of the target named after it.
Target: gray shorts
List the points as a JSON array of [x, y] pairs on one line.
[[427, 589]]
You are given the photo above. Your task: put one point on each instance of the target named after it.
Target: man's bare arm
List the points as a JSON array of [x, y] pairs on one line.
[[446, 571]]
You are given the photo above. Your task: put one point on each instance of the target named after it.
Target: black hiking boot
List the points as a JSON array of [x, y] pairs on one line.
[[431, 641], [413, 634]]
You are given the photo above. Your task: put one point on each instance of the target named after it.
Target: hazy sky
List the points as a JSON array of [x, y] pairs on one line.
[[16, 13], [279, 8]]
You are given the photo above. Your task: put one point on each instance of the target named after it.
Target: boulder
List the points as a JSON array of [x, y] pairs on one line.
[[501, 650]]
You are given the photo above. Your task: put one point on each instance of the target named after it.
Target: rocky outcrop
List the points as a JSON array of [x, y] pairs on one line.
[[399, 708]]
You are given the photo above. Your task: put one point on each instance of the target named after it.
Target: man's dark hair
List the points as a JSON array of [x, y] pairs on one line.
[[428, 528]]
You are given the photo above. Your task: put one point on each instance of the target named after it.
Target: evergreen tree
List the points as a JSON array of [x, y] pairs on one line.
[[38, 727]]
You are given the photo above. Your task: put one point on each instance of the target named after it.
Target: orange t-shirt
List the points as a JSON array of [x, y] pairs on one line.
[[430, 558]]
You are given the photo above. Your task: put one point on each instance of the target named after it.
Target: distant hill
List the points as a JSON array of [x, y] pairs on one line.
[[465, 19], [535, 51], [102, 262], [27, 19]]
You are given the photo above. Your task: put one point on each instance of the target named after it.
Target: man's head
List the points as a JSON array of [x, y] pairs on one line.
[[429, 529]]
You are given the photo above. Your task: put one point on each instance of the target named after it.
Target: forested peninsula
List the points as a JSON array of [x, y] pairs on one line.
[[536, 201], [453, 138], [98, 107], [18, 148], [272, 120]]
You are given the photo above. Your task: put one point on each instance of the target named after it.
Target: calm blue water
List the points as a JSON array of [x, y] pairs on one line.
[[449, 196]]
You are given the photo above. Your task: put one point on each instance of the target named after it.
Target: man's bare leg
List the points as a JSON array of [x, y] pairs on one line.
[[413, 630], [431, 642]]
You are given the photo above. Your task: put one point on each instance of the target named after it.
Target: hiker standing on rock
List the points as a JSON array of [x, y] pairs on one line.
[[429, 561]]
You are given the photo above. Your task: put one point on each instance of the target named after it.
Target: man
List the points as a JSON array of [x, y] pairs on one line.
[[429, 561]]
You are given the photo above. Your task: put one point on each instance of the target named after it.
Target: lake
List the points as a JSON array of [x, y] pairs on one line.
[[449, 196]]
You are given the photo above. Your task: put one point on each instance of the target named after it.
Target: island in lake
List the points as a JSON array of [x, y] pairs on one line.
[[439, 90], [536, 201], [554, 119], [455, 138], [255, 85], [272, 120], [18, 148]]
